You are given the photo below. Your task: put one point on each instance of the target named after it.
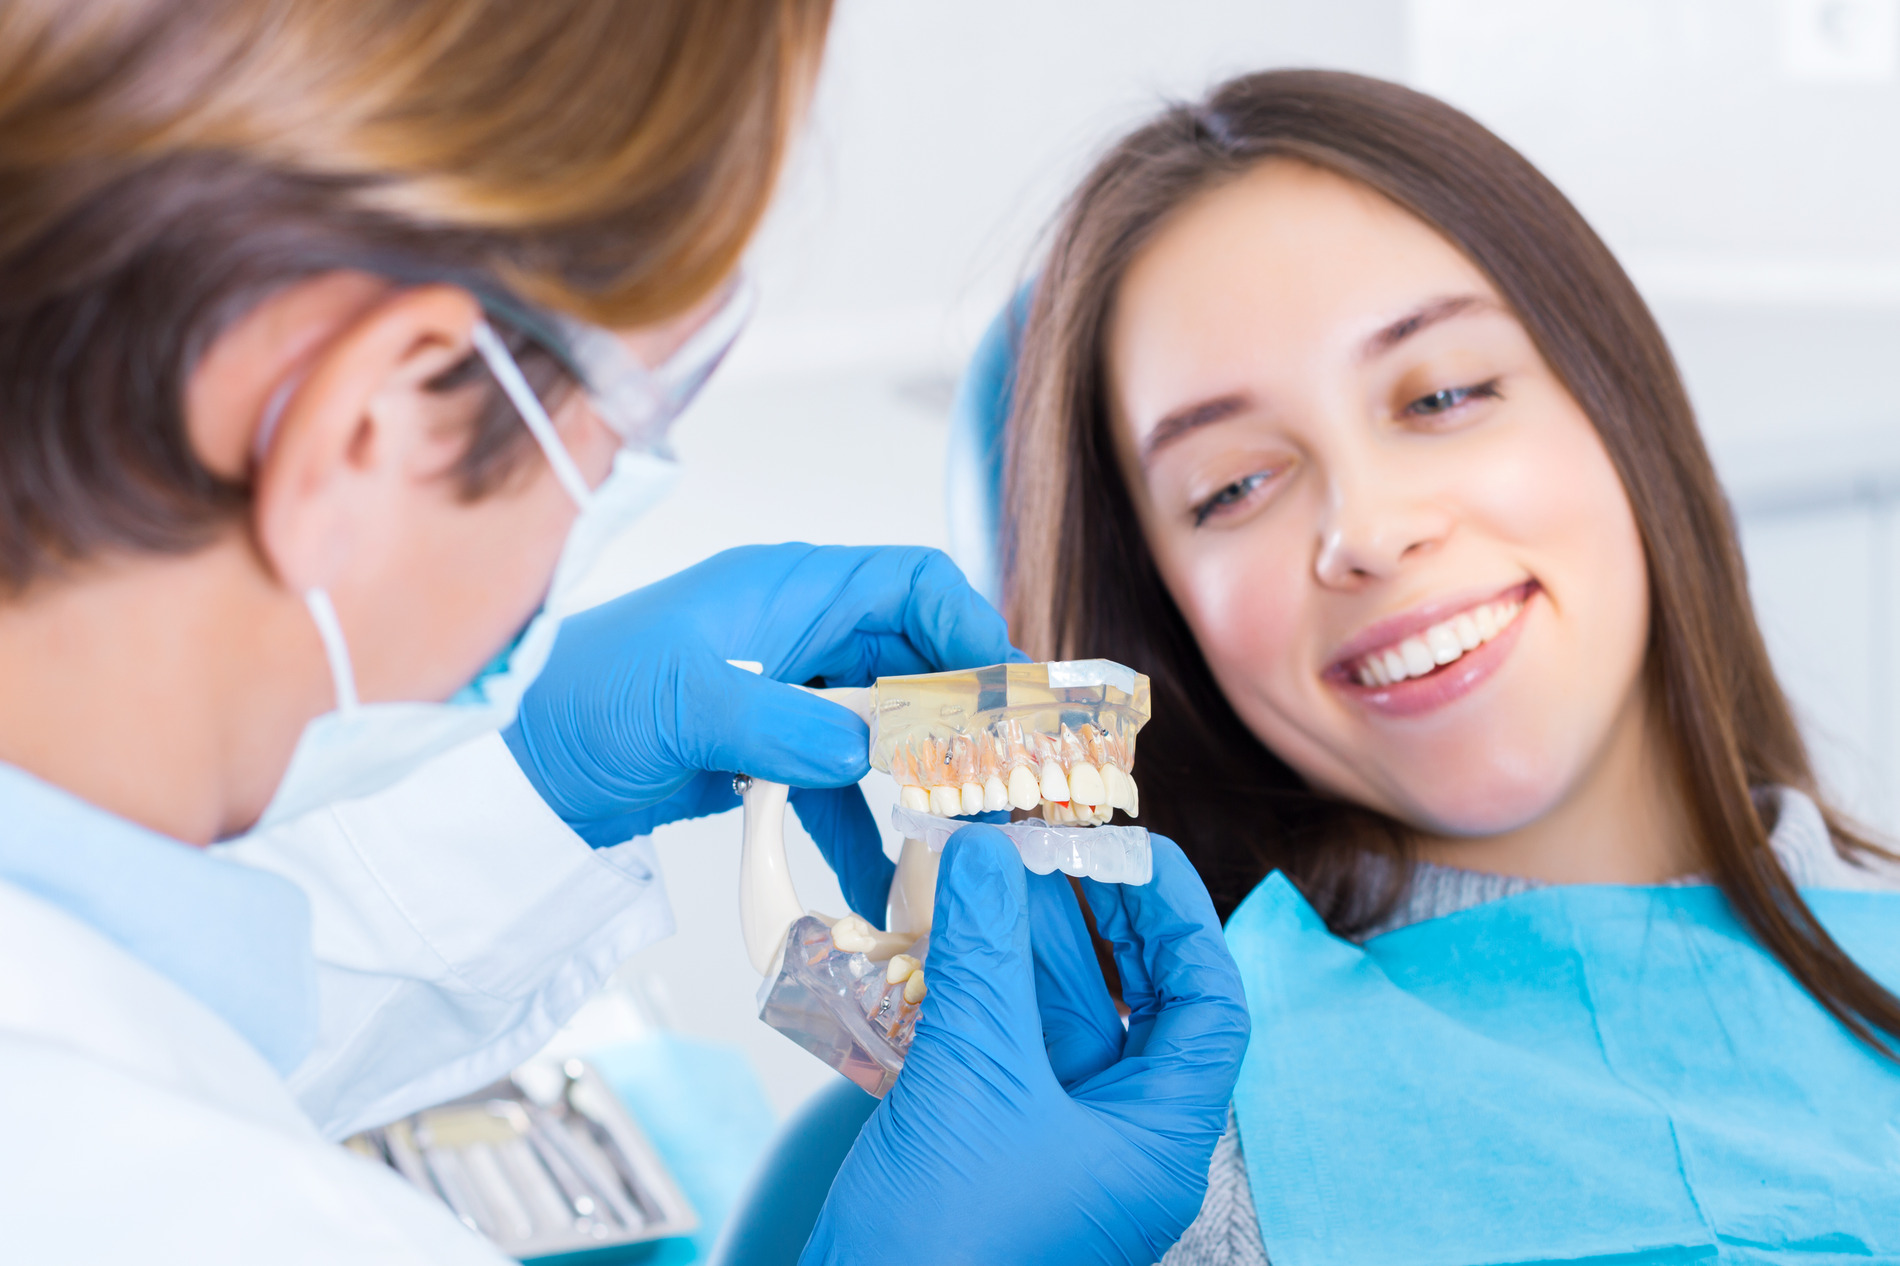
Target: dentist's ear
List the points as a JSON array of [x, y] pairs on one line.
[[360, 433]]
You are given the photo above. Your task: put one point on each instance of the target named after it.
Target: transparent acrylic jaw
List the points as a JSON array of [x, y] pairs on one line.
[[844, 1006], [1055, 738]]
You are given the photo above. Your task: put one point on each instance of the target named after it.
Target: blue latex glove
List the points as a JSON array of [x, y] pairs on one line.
[[638, 719], [1023, 1133]]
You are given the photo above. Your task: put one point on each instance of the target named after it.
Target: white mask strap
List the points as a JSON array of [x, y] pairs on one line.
[[335, 648], [502, 365]]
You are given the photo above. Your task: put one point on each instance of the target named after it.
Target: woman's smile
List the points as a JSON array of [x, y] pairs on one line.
[[1436, 653]]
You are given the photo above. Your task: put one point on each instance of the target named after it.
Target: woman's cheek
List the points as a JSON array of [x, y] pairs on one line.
[[1244, 602], [1547, 484]]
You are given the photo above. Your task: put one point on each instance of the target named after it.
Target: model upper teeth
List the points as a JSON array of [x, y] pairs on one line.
[[1079, 776], [1441, 644]]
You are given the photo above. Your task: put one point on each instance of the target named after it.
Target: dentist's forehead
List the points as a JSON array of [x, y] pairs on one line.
[[1285, 272]]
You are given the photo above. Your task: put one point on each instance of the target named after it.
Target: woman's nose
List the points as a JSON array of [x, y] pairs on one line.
[[1371, 531]]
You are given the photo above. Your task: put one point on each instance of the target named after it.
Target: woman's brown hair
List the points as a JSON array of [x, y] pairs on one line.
[[1081, 580], [166, 164]]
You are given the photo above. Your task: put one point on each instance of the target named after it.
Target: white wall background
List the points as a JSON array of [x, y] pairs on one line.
[[1743, 156]]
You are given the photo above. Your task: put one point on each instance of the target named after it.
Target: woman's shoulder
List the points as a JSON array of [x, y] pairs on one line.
[[1808, 853]]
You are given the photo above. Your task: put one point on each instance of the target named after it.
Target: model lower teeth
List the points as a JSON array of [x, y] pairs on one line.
[[1078, 777], [1441, 644]]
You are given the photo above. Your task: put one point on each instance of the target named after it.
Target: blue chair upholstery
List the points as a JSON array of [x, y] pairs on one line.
[[973, 478], [775, 1216]]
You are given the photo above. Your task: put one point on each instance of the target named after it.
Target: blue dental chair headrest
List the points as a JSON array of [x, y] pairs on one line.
[[973, 473]]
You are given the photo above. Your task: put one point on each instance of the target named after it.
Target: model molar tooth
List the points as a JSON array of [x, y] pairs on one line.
[[902, 965], [914, 987], [1055, 783], [1057, 813], [1024, 791], [971, 797], [1120, 787], [995, 794], [945, 801], [854, 935], [914, 798], [1087, 784]]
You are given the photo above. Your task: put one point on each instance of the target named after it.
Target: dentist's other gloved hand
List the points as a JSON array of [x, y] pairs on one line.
[[1091, 1146], [638, 719]]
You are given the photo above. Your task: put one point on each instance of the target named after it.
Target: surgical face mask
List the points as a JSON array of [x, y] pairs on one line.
[[359, 748]]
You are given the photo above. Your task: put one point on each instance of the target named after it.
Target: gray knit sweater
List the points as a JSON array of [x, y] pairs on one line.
[[1227, 1232]]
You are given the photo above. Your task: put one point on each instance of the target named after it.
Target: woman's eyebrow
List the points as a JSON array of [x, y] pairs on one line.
[[1192, 417], [1419, 318]]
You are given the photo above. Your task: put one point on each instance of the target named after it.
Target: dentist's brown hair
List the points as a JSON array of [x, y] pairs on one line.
[[167, 164], [1080, 579]]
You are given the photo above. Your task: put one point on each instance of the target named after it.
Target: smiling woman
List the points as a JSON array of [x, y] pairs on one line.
[[1397, 474], [1338, 420]]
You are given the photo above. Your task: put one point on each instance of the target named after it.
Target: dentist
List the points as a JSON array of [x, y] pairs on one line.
[[335, 339]]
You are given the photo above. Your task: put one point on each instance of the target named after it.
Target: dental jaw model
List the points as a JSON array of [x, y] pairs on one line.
[[1056, 740]]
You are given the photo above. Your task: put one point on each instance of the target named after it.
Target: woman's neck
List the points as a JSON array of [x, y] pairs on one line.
[[1626, 821], [169, 690]]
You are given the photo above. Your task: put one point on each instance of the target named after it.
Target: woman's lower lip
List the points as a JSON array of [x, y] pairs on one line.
[[1418, 695]]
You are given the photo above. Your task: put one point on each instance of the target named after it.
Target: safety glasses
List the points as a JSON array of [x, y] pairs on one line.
[[638, 403]]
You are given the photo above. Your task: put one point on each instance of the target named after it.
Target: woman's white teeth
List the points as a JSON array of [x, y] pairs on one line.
[[1437, 646]]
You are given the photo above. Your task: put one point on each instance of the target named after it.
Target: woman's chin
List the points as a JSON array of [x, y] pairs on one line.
[[1475, 802]]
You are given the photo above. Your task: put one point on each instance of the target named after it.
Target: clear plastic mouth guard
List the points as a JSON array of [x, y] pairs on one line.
[[1054, 740], [1108, 854]]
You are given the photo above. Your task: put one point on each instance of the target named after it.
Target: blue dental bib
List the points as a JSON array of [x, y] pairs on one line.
[[1575, 1074]]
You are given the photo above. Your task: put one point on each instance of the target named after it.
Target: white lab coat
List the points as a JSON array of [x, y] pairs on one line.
[[457, 923]]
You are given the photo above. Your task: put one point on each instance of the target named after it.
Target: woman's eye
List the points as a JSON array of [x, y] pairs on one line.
[[1233, 494], [1446, 399]]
